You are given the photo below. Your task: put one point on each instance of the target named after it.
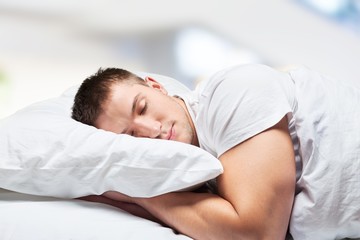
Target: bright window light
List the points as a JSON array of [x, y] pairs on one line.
[[199, 52], [346, 12], [331, 7]]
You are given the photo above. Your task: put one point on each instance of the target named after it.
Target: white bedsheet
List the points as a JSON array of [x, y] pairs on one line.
[[26, 217]]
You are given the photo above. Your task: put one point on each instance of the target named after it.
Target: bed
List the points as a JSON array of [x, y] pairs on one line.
[[25, 217]]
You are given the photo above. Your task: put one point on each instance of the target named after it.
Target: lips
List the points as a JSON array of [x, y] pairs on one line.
[[171, 134]]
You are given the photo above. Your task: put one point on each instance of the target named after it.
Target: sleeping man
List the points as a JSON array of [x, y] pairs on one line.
[[289, 143]]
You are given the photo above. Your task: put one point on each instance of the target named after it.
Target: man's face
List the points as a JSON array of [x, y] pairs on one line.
[[146, 111]]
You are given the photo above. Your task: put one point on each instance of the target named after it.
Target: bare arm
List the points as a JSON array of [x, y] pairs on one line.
[[256, 193], [126, 206]]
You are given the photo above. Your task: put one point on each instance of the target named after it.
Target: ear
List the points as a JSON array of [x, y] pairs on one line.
[[155, 85]]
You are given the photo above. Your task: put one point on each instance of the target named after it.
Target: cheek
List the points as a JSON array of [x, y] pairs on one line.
[[166, 106]]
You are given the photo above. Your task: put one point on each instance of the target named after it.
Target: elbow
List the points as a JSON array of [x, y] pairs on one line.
[[255, 233], [237, 228], [250, 231], [257, 228]]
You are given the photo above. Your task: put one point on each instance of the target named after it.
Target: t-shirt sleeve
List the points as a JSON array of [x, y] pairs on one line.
[[242, 102]]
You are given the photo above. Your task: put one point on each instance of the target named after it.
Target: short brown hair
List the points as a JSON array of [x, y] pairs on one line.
[[95, 90]]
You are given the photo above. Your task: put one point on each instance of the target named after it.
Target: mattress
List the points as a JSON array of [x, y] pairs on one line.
[[26, 217]]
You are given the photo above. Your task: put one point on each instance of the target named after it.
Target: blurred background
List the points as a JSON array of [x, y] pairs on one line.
[[48, 46]]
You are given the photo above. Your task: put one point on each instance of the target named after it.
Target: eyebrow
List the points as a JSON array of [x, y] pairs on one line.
[[134, 103]]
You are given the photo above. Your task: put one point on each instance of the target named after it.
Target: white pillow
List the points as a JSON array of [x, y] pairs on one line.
[[43, 151]]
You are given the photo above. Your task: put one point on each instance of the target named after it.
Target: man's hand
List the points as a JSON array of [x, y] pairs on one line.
[[123, 202], [118, 196]]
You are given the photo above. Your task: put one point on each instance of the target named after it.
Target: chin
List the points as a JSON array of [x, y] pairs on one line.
[[187, 141]]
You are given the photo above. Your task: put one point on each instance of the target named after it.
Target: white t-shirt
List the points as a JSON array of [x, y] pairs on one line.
[[324, 122]]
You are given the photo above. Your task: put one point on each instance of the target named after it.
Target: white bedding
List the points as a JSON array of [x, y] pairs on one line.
[[27, 217]]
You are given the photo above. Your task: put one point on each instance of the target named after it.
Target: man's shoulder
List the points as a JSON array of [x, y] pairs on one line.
[[236, 77]]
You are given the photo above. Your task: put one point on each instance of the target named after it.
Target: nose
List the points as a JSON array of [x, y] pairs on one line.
[[144, 127]]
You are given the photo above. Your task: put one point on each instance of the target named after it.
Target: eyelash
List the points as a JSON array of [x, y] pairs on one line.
[[143, 110]]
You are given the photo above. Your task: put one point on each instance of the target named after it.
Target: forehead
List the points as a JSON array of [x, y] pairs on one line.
[[117, 108], [114, 108], [123, 91]]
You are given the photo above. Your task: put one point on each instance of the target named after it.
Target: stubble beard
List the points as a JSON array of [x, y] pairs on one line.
[[187, 126]]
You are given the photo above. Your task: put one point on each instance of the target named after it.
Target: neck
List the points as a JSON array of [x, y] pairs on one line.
[[181, 102]]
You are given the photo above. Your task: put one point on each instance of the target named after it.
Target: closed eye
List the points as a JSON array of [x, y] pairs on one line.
[[143, 110]]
